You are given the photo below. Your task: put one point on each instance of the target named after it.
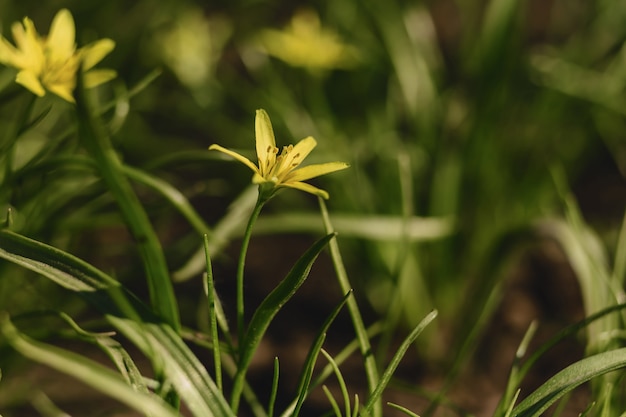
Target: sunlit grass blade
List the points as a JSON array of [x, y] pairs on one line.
[[88, 371], [45, 406], [268, 308], [511, 390], [403, 409], [94, 137], [371, 227], [332, 401], [158, 341], [369, 360], [231, 225], [209, 291], [342, 356], [509, 410], [342, 383], [568, 379], [376, 395], [309, 364], [274, 392], [69, 272], [173, 195], [185, 371], [355, 408], [116, 352], [230, 367]]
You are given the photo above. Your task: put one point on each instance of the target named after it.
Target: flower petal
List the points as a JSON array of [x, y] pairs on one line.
[[304, 147], [96, 77], [303, 186], [290, 159], [29, 54], [312, 171], [63, 90], [8, 54], [265, 142], [30, 80], [95, 52], [237, 156], [60, 42]]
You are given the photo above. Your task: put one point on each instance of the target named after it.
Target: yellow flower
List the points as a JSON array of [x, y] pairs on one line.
[[51, 63], [281, 170], [304, 43]]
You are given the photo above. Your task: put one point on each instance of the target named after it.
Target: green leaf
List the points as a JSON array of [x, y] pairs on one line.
[[342, 383], [395, 361], [568, 379], [309, 364], [371, 369], [115, 351], [97, 142], [186, 373], [268, 309], [157, 340], [88, 371], [66, 270]]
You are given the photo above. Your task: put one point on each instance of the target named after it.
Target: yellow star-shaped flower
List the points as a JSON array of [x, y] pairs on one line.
[[281, 170], [305, 43], [51, 63]]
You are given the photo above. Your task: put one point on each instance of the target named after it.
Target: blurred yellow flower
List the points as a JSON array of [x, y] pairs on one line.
[[192, 44], [304, 43], [51, 63], [282, 170]]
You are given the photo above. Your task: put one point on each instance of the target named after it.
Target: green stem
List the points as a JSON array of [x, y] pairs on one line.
[[97, 142], [261, 200], [371, 369]]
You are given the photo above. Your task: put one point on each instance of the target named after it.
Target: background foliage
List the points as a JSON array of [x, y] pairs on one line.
[[477, 132]]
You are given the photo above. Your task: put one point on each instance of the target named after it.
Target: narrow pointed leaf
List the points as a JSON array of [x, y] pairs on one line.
[[309, 364], [96, 140], [268, 309], [86, 370], [568, 379], [157, 340], [395, 361]]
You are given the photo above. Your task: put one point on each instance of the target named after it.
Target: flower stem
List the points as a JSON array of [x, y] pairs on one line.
[[261, 200]]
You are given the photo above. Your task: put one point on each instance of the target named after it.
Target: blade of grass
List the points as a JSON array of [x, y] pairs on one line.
[[96, 140], [46, 407], [371, 369], [209, 291], [274, 391], [232, 224], [403, 409], [568, 379], [371, 227], [157, 340], [116, 352], [332, 401], [88, 371], [268, 308], [309, 364], [395, 361], [342, 382]]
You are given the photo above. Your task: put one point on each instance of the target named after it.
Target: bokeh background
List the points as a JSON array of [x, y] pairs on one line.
[[472, 129]]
